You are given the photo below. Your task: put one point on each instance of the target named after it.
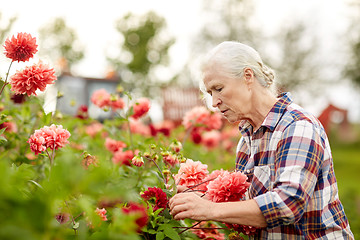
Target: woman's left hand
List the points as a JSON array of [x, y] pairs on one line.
[[190, 205]]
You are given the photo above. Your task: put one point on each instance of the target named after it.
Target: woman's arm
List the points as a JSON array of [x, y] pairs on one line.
[[190, 205]]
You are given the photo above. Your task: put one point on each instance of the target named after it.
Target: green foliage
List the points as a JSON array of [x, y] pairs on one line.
[[40, 200]]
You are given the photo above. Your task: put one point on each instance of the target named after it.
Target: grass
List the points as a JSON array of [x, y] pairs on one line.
[[347, 170]]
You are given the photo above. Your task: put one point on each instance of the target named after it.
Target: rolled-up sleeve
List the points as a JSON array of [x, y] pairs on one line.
[[298, 158]]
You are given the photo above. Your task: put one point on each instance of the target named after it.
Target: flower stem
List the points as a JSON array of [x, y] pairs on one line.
[[158, 168], [192, 187], [6, 78], [188, 131], [130, 135], [190, 227], [72, 217]]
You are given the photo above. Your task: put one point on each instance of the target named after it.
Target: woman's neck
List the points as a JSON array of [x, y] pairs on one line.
[[263, 102]]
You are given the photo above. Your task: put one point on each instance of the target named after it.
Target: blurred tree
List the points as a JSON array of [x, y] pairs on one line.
[[236, 20], [352, 69], [5, 28], [143, 50], [225, 21], [295, 62], [60, 43]]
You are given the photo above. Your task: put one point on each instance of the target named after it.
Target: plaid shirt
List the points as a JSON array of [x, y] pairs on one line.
[[289, 165]]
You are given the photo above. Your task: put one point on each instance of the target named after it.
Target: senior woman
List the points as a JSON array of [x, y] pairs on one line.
[[283, 150]]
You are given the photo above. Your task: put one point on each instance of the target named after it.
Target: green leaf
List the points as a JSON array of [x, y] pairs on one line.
[[2, 139], [160, 236], [151, 231], [171, 233]]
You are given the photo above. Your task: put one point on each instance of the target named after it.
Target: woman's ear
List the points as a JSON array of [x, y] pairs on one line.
[[249, 75]]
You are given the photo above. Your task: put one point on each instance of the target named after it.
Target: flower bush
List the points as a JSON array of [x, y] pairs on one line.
[[69, 177]]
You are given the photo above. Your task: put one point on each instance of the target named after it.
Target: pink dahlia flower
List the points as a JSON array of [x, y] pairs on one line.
[[20, 48], [211, 139], [32, 78], [136, 126], [140, 107], [101, 213], [53, 137], [124, 157], [113, 145], [117, 103], [201, 117], [156, 196], [191, 173], [9, 127], [211, 177], [93, 129], [101, 98], [228, 187], [171, 159], [37, 143]]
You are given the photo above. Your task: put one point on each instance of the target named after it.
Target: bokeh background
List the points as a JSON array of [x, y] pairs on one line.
[[152, 47]]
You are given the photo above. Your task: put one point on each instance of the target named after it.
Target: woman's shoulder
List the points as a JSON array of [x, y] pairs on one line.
[[295, 114]]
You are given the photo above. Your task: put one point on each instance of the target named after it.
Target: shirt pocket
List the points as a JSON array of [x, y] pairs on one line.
[[261, 182]]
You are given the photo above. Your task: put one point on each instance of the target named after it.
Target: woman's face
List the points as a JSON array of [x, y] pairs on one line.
[[230, 95]]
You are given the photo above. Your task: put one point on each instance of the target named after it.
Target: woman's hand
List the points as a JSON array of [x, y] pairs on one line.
[[180, 188], [190, 205]]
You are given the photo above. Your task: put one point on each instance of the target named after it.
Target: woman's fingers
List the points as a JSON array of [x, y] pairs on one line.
[[180, 188], [189, 205]]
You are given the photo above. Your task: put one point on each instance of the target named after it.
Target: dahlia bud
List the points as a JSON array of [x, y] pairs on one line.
[[147, 155], [166, 172], [137, 161], [155, 157], [165, 153], [119, 89], [176, 146]]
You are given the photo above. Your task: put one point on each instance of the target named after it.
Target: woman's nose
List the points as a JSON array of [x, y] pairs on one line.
[[215, 101]]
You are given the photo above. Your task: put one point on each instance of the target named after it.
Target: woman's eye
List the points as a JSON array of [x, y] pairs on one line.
[[218, 89]]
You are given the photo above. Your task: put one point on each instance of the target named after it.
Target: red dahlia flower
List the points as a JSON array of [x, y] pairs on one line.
[[139, 210], [20, 48], [32, 78], [156, 194], [244, 229], [141, 107], [82, 112]]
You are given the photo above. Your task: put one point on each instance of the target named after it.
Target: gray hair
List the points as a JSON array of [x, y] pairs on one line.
[[233, 57]]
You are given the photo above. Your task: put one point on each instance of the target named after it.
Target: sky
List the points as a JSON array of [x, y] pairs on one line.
[[94, 22]]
